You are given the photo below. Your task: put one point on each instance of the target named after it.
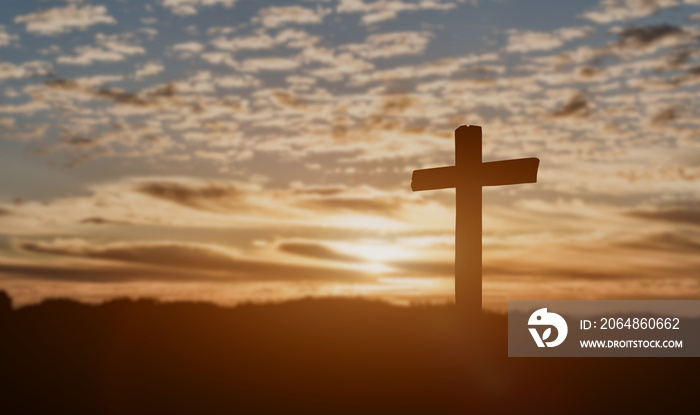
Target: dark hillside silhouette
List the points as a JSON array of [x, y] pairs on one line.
[[310, 356]]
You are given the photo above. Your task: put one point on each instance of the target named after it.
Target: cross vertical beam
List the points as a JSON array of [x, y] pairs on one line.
[[468, 224]]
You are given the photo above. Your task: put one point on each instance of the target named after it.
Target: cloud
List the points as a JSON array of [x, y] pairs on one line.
[[426, 268], [440, 68], [161, 254], [147, 69], [668, 174], [88, 88], [316, 250], [81, 136], [688, 214], [191, 47], [93, 273], [337, 67], [28, 108], [87, 55], [6, 38], [205, 81], [60, 20], [666, 115], [50, 50], [257, 41], [220, 58], [153, 261], [180, 203], [7, 123], [97, 220], [276, 64], [23, 131], [296, 39], [643, 36], [109, 49], [609, 11], [273, 17], [188, 50], [237, 81], [236, 197], [215, 197], [261, 40], [221, 30], [355, 203], [672, 242], [380, 11], [387, 45], [190, 7], [528, 40], [405, 267], [25, 70], [577, 106], [150, 32]]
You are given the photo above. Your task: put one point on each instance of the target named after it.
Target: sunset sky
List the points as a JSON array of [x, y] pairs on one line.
[[238, 150]]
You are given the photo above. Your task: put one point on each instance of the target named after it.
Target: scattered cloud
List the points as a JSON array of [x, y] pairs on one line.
[[191, 47], [7, 123], [387, 45], [298, 130], [665, 242], [257, 41], [25, 70], [188, 50], [273, 17], [577, 106], [6, 38], [316, 250], [666, 115], [379, 11], [97, 220], [161, 254], [646, 36], [51, 50], [58, 20], [89, 88], [608, 11], [237, 81], [524, 41], [109, 48], [87, 55], [153, 261], [275, 64], [216, 197], [191, 7], [687, 214], [147, 69]]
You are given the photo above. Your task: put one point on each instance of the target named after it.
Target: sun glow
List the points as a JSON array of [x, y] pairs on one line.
[[379, 252], [374, 268]]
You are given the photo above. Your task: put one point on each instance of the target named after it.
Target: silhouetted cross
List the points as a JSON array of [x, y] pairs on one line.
[[468, 175]]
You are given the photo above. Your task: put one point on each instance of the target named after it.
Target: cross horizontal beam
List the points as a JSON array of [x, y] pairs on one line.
[[494, 173]]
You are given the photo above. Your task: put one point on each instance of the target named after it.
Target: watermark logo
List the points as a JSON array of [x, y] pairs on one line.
[[542, 318]]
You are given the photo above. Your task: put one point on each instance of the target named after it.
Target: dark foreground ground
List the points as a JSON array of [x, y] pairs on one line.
[[311, 356]]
